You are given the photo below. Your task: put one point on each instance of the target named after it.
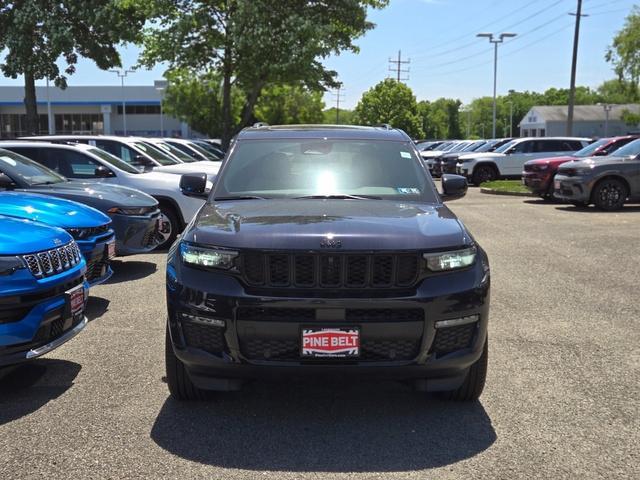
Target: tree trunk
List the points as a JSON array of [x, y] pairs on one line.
[[227, 114], [32, 125], [249, 104]]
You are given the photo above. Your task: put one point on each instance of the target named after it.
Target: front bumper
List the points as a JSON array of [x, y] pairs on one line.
[[572, 189], [225, 335], [537, 182], [98, 253], [136, 233]]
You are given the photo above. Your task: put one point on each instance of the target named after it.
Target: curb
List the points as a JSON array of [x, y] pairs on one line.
[[491, 191]]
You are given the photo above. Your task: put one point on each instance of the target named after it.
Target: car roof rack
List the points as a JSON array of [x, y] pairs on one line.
[[260, 125], [386, 126]]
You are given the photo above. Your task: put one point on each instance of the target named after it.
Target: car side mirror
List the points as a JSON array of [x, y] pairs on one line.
[[194, 185], [6, 183], [103, 172], [453, 187]]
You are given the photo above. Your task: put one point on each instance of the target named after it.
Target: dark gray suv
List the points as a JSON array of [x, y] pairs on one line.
[[606, 182]]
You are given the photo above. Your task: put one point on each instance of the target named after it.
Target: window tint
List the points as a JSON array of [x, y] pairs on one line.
[[120, 150], [73, 164], [523, 147]]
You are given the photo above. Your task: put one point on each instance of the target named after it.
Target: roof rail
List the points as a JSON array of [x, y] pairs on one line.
[[386, 126], [260, 125]]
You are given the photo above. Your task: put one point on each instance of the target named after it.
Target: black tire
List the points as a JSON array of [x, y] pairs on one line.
[[473, 384], [609, 194], [484, 173], [548, 195], [180, 385], [170, 225]]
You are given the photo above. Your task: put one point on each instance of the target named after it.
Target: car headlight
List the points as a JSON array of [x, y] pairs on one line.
[[131, 210], [8, 265], [466, 160], [207, 257], [440, 262]]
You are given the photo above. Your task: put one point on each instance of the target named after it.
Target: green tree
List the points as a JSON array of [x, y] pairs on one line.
[[390, 102], [345, 117], [617, 91], [253, 43], [624, 54], [36, 34], [289, 104]]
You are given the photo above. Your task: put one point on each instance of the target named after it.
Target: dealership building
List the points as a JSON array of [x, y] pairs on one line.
[[588, 121], [108, 110]]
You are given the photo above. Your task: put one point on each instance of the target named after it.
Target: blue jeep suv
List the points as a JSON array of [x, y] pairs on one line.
[[326, 251], [90, 228], [42, 289]]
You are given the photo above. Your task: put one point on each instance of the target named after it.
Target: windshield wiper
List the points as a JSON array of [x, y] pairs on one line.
[[239, 197], [48, 182], [340, 197]]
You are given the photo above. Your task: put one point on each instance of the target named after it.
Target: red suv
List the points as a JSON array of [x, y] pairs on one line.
[[538, 174]]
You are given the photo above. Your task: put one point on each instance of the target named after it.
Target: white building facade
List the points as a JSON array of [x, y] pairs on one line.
[[109, 110]]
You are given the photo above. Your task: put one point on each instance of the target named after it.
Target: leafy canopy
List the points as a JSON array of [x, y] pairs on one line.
[[624, 54]]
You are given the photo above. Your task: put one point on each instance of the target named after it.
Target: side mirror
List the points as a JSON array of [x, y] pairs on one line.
[[103, 172], [453, 187], [194, 185], [5, 182]]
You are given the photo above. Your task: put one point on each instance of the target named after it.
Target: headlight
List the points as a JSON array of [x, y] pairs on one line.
[[131, 211], [440, 262], [207, 257], [466, 160], [8, 265]]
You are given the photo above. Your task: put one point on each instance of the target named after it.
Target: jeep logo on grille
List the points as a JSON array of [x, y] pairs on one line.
[[330, 242]]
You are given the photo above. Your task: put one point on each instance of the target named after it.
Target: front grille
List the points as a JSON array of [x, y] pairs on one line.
[[450, 339], [205, 337], [310, 270], [13, 315], [151, 237], [96, 269], [352, 315], [283, 349], [54, 261], [276, 314]]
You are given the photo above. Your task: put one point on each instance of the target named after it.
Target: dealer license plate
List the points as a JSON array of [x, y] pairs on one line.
[[111, 249], [330, 342], [76, 299], [556, 184]]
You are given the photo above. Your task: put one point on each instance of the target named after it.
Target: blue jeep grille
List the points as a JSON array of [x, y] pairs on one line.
[[54, 261]]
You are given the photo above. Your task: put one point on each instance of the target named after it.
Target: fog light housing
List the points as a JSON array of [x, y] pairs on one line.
[[213, 322], [456, 322]]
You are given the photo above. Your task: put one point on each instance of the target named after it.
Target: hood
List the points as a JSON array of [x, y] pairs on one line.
[[592, 162], [52, 211], [18, 237], [101, 196], [478, 155], [303, 224], [552, 160], [210, 168], [432, 153]]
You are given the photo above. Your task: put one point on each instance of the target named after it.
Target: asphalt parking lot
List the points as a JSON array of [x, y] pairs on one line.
[[562, 398]]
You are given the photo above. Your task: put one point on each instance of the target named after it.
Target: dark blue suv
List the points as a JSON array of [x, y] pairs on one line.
[[42, 289], [326, 250], [90, 228]]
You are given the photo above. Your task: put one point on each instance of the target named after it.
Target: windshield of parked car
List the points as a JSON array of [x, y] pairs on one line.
[[113, 160], [210, 149], [290, 168], [203, 152], [154, 153], [629, 150], [176, 152], [590, 149], [30, 172], [505, 147]]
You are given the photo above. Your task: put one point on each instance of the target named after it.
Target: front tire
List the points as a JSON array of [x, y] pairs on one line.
[[484, 173], [473, 384], [610, 194], [170, 226], [180, 385]]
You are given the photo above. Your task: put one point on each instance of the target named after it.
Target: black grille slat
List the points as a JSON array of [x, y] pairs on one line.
[[330, 270], [275, 314], [205, 337], [450, 339]]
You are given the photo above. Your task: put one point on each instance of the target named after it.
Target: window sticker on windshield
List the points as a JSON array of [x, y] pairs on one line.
[[405, 154], [408, 190]]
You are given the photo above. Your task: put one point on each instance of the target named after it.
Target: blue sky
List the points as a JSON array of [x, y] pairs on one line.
[[438, 36]]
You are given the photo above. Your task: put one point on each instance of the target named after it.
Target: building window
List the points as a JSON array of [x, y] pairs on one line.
[[140, 109], [525, 132], [13, 125], [543, 132], [79, 123]]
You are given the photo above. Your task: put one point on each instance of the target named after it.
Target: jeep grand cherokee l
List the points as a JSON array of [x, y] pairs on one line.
[[326, 250]]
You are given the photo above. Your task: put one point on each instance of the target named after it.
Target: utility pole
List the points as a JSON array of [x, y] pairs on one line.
[[574, 62], [339, 97], [397, 68]]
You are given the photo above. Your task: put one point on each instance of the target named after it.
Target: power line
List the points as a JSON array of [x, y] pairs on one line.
[[398, 67]]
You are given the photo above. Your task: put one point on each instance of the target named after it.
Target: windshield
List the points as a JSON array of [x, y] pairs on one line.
[[176, 152], [213, 151], [113, 160], [289, 168], [30, 172], [589, 150], [154, 153], [486, 146], [203, 152], [629, 150], [505, 147]]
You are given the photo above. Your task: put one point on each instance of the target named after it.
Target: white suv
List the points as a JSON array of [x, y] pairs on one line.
[[508, 160], [90, 164]]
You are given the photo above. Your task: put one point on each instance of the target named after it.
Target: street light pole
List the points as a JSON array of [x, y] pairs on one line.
[[607, 108], [50, 122], [161, 89], [510, 119], [495, 42], [122, 74]]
